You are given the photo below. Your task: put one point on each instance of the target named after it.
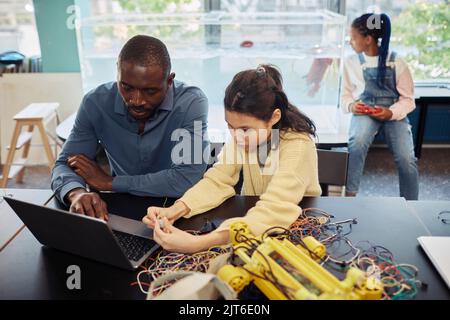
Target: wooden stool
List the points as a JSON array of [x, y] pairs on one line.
[[36, 114]]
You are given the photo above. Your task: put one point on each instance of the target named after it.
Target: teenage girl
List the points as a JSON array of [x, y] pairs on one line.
[[379, 91], [257, 112]]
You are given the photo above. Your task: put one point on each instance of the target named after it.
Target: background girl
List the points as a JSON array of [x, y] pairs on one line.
[[379, 79]]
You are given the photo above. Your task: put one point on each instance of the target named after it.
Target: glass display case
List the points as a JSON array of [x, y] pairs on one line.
[[208, 49]]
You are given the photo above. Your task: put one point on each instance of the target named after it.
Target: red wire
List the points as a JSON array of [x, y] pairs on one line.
[[137, 283]]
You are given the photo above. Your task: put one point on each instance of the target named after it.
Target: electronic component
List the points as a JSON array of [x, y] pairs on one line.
[[368, 109], [282, 270], [313, 233]]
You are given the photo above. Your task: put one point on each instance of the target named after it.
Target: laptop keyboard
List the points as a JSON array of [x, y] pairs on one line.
[[134, 247]]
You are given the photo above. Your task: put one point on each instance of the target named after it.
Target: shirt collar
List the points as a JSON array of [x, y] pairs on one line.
[[167, 103]]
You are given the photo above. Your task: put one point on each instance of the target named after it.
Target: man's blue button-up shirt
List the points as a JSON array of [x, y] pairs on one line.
[[141, 164]]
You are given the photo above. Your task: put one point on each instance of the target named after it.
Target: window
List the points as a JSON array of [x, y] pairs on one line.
[[17, 27], [420, 33], [208, 47]]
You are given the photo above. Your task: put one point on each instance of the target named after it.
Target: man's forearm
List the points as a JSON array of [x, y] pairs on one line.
[[64, 180]]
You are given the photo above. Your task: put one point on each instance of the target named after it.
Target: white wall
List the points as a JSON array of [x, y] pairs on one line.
[[19, 90]]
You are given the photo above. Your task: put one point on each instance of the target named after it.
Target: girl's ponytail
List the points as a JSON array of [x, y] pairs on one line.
[[383, 50]]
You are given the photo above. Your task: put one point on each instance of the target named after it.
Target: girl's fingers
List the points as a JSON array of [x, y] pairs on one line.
[[152, 210], [156, 238], [149, 222], [155, 213], [157, 232], [152, 216], [168, 228]]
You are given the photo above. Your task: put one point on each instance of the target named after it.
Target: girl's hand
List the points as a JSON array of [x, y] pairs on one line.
[[356, 108], [176, 240], [172, 213], [384, 114]]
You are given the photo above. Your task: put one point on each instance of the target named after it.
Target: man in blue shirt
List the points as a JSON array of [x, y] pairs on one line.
[[136, 120]]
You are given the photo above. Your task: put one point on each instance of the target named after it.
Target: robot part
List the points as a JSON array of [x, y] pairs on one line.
[[283, 270]]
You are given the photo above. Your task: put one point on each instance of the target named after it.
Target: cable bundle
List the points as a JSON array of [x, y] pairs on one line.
[[167, 262], [399, 280]]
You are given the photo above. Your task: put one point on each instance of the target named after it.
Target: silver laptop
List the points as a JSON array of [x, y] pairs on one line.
[[438, 250], [121, 242]]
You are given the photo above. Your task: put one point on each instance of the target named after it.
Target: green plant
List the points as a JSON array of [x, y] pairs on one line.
[[424, 27], [151, 6]]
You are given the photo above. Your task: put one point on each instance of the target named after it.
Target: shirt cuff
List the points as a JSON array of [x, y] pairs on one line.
[[346, 107], [191, 204], [120, 184], [67, 188]]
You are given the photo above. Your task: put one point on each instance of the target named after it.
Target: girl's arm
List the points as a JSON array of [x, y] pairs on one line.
[[176, 240], [278, 206], [217, 184], [347, 89], [213, 239], [405, 86]]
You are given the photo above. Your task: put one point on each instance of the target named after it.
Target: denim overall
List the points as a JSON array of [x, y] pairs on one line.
[[363, 130], [373, 94]]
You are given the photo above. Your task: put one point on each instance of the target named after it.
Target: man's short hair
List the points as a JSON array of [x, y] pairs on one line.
[[146, 51]]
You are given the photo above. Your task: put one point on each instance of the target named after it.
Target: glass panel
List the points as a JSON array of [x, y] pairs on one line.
[[419, 33], [208, 49], [18, 28]]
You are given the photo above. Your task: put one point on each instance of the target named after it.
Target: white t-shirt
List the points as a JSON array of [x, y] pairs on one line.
[[354, 84]]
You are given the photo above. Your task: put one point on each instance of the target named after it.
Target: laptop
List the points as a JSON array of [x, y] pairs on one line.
[[120, 242], [438, 250]]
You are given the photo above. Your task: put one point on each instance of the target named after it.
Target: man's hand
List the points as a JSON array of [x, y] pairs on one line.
[[383, 114], [88, 203], [91, 172]]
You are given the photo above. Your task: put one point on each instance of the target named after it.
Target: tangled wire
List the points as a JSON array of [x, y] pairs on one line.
[[399, 280]]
